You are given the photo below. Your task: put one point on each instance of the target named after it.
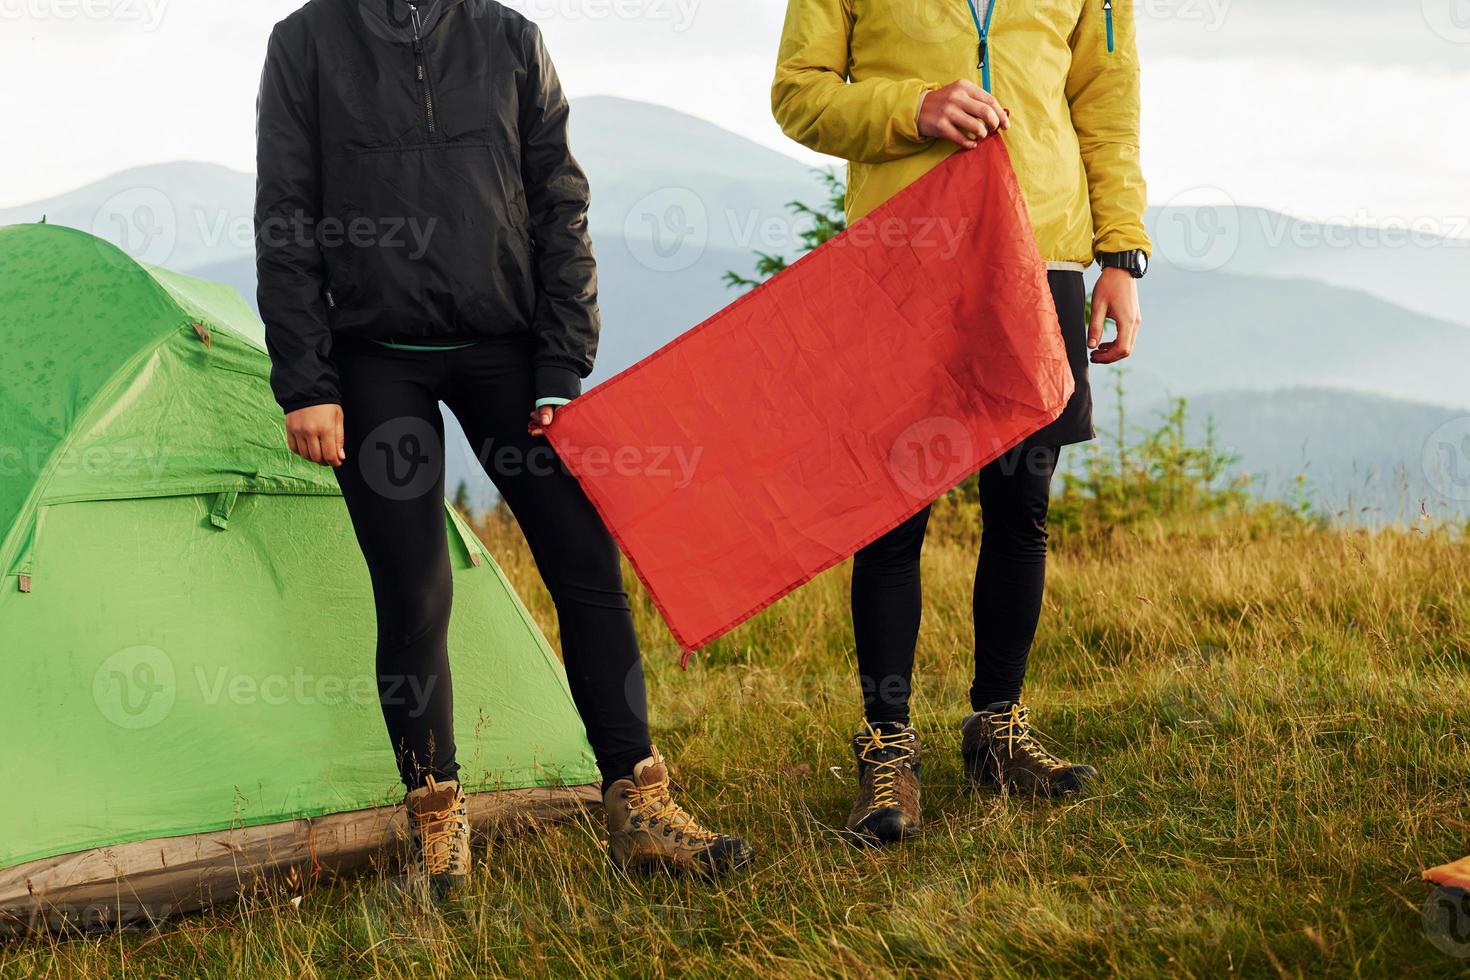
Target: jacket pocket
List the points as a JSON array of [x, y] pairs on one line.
[[339, 254]]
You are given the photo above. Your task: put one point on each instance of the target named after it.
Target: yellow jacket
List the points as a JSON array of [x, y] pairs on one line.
[[851, 74]]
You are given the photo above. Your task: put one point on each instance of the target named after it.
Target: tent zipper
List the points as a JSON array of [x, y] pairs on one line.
[[1108, 14], [982, 29], [421, 61]]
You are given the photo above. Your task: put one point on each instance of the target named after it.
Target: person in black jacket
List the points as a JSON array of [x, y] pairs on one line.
[[421, 236]]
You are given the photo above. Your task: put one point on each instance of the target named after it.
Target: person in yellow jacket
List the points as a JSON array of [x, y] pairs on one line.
[[894, 87]]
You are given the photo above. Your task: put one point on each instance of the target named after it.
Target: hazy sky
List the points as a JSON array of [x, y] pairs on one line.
[[1352, 110]]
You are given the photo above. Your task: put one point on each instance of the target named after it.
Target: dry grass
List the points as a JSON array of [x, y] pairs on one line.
[[1281, 720]]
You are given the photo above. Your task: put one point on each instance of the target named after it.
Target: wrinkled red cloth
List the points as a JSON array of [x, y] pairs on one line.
[[828, 405]]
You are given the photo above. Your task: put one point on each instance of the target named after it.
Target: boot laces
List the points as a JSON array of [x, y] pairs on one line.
[[655, 805], [1014, 729], [883, 753], [441, 834]]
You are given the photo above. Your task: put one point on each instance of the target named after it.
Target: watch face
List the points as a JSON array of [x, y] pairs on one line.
[[1140, 263]]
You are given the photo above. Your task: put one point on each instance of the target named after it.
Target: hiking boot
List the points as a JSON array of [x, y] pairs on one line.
[[887, 807], [1456, 874], [439, 831], [648, 831], [999, 749]]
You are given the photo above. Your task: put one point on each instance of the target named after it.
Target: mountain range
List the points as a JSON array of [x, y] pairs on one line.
[[1332, 352]]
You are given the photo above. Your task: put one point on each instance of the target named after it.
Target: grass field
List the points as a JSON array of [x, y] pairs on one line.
[[1281, 717]]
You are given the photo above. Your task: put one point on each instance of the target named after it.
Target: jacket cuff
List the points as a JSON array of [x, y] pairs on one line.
[[909, 126], [557, 381], [295, 405]]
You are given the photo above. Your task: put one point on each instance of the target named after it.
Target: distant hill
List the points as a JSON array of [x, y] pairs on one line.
[[1412, 269], [1211, 331], [179, 215], [1362, 456]]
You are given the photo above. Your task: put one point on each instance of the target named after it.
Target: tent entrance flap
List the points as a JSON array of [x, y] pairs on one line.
[[831, 403]]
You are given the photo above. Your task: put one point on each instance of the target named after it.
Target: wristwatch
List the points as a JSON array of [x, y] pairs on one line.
[[1134, 260]]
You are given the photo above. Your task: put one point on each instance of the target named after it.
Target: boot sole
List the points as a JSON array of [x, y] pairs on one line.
[[982, 780], [660, 865], [872, 842]]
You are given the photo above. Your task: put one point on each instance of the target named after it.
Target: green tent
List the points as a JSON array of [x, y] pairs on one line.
[[186, 622]]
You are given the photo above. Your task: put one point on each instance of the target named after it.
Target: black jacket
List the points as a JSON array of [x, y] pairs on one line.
[[414, 183]]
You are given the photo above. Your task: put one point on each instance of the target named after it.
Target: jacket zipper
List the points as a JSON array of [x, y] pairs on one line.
[[1108, 14], [421, 60], [982, 28]]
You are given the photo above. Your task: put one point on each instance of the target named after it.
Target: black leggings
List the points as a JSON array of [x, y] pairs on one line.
[[1009, 579], [393, 481]]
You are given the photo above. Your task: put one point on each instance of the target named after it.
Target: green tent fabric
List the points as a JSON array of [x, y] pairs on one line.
[[187, 622]]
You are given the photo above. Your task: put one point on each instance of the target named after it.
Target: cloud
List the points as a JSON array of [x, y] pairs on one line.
[[1324, 109]]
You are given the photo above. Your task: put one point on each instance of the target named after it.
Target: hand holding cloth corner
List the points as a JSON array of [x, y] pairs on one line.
[[828, 405]]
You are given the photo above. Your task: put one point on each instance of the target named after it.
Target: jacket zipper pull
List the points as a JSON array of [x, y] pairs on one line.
[[421, 70], [1108, 15], [984, 50]]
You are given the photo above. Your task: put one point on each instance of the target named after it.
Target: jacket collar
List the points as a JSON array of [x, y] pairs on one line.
[[392, 19]]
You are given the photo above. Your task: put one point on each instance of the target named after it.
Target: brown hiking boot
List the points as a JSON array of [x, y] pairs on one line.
[[1000, 749], [1456, 874], [887, 807], [648, 831], [439, 830]]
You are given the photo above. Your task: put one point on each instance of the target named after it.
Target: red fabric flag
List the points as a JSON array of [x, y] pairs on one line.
[[828, 405]]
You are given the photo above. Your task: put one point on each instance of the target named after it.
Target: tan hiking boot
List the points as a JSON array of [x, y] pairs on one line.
[[1456, 874], [647, 830], [999, 749], [887, 807], [439, 830]]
